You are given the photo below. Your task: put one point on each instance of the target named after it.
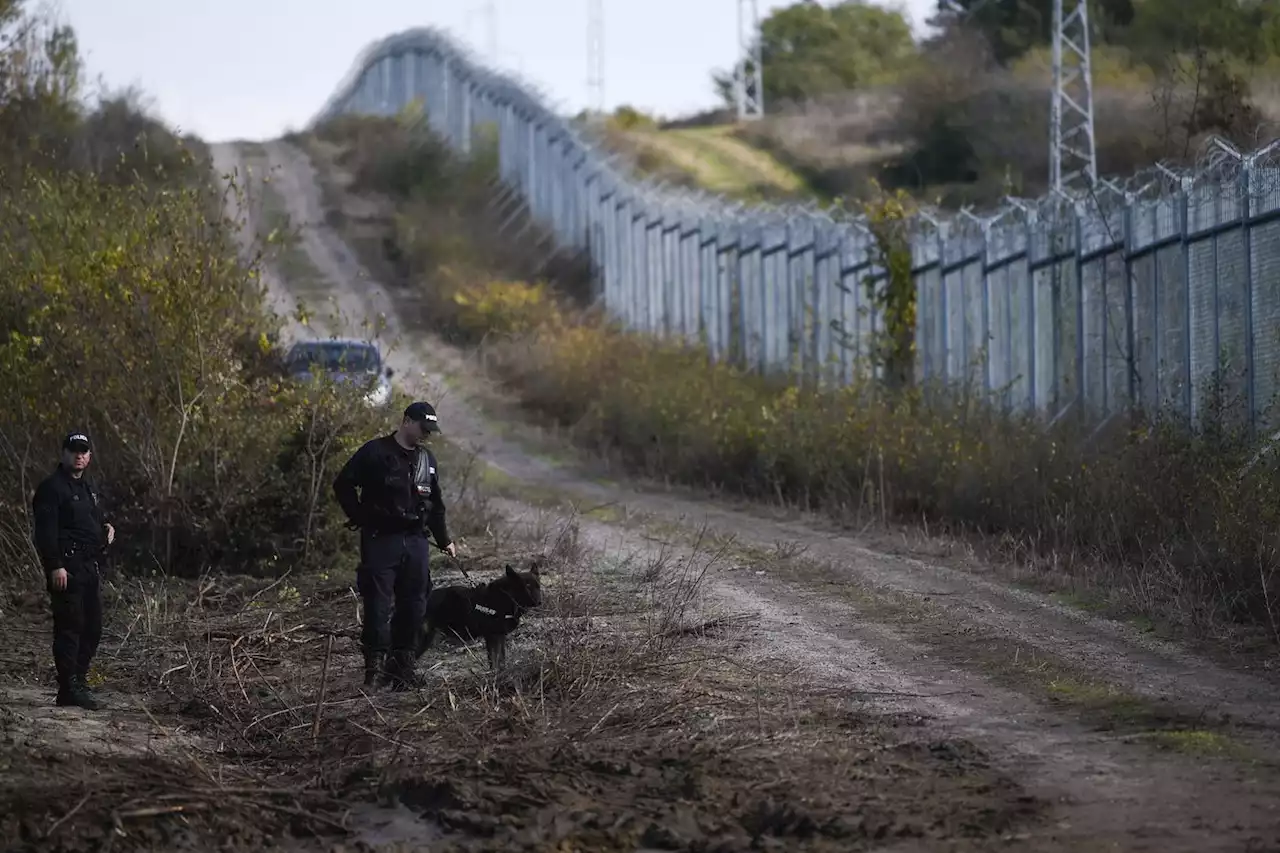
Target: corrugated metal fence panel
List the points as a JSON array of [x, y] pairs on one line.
[[1265, 331]]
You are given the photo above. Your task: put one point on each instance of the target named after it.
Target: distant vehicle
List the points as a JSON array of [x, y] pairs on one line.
[[342, 360]]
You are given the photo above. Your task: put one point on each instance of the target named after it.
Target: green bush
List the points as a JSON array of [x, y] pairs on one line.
[[125, 311], [629, 118], [1146, 510]]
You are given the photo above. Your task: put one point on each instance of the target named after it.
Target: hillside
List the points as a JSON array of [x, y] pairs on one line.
[[971, 137], [718, 158], [816, 152]]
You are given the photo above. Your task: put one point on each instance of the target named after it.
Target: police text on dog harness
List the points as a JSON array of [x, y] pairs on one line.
[[489, 611]]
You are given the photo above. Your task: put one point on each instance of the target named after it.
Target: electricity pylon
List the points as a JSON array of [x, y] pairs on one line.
[[1073, 158], [748, 78]]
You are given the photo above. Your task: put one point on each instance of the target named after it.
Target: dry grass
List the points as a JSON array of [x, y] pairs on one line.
[[1141, 510], [717, 159], [624, 690]]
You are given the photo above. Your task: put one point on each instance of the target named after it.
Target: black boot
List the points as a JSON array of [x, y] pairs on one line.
[[82, 684], [400, 674], [74, 692], [373, 667], [82, 680]]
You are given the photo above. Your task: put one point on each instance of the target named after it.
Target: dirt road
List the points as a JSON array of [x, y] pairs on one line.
[[1140, 744]]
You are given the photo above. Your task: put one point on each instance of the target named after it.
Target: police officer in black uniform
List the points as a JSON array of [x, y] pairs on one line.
[[71, 534], [399, 500]]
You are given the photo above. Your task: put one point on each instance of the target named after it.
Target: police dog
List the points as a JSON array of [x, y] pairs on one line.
[[491, 611]]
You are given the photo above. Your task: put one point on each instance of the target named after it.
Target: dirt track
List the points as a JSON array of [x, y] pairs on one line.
[[1123, 741], [1076, 707]]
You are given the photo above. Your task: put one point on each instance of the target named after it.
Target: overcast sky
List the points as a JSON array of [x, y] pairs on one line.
[[250, 69]]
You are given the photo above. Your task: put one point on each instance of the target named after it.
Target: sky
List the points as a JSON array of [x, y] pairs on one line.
[[253, 69]]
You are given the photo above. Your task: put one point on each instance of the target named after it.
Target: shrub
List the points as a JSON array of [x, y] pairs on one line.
[[1159, 509], [629, 118], [1145, 508], [125, 311], [451, 228], [502, 308]]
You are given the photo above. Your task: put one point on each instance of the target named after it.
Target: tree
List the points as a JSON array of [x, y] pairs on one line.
[[809, 50], [40, 84], [1248, 31], [1012, 27], [1202, 51]]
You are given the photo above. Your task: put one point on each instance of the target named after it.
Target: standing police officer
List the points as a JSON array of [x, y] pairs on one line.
[[399, 500], [71, 534]]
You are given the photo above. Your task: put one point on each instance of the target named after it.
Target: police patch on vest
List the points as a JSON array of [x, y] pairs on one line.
[[487, 611]]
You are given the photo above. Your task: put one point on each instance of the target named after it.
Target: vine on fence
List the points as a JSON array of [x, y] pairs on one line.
[[894, 346]]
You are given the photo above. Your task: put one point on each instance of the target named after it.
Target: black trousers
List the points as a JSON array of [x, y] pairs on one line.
[[394, 576], [77, 620]]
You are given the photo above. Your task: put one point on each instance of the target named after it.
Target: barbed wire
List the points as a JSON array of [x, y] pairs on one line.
[[1222, 184]]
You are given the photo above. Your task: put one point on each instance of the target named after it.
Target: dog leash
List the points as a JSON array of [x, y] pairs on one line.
[[457, 562]]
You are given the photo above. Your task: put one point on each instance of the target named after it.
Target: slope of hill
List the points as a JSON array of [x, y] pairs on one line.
[[816, 152], [715, 158], [971, 137]]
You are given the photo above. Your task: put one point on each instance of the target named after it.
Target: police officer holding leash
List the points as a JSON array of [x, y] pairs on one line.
[[399, 501], [71, 534]]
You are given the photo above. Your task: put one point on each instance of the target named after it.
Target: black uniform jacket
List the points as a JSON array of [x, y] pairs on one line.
[[70, 521], [388, 502]]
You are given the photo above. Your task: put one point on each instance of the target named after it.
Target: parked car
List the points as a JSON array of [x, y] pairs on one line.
[[342, 360]]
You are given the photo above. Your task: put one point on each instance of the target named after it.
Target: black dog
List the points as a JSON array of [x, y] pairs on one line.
[[491, 611]]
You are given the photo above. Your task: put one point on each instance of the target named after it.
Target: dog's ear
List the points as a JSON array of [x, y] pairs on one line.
[[511, 572], [536, 568]]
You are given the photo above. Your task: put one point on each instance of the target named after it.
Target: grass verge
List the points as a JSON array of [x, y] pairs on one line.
[[1059, 684]]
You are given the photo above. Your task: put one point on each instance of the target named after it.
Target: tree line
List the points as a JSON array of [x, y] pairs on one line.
[[972, 97]]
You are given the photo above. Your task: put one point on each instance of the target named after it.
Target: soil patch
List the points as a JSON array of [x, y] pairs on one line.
[[238, 722], [839, 781]]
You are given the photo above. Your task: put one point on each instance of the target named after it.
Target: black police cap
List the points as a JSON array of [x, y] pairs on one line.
[[423, 413]]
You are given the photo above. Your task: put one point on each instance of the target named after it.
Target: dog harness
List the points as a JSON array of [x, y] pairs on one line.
[[489, 611]]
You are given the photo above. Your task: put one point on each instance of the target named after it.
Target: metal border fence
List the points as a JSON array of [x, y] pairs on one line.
[[1155, 291]]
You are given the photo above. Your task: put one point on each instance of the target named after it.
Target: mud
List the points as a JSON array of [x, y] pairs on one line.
[[677, 793]]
